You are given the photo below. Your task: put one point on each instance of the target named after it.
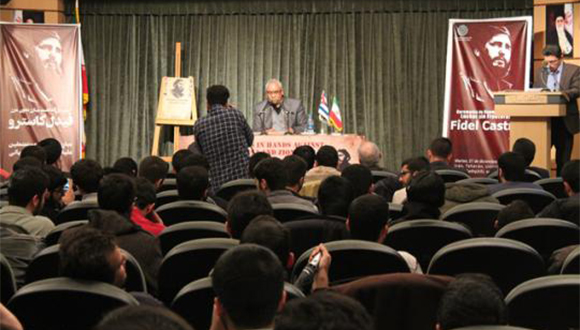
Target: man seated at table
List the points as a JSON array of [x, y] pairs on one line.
[[278, 113]]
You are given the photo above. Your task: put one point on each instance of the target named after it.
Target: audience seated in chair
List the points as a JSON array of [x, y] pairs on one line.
[[567, 208], [512, 168], [248, 281], [52, 149], [192, 159], [527, 149], [457, 193], [514, 211], [425, 195], [272, 179], [307, 153], [268, 232], [440, 154], [54, 201], [143, 212], [154, 169], [116, 195], [361, 179], [326, 165], [409, 168], [143, 318], [367, 221], [126, 165], [193, 184], [19, 248], [26, 194], [470, 300], [370, 156], [243, 208], [86, 174], [324, 310], [334, 197], [34, 151], [89, 254], [178, 159], [296, 168]]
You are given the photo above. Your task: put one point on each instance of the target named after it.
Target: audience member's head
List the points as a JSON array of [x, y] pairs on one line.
[[194, 160], [56, 182], [324, 310], [255, 159], [143, 318], [369, 155], [192, 183], [243, 208], [296, 168], [266, 231], [52, 149], [86, 174], [307, 153], [145, 195], [526, 148], [177, 159], [440, 150], [117, 193], [154, 169], [334, 196], [34, 151], [327, 156], [512, 167], [271, 175], [427, 187], [367, 218], [217, 94], [248, 281], [570, 173], [126, 165], [412, 166], [471, 299], [27, 189], [26, 162], [386, 187], [360, 177], [90, 254], [514, 211]]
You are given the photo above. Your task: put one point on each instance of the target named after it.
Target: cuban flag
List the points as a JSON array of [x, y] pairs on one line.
[[323, 112], [335, 118]]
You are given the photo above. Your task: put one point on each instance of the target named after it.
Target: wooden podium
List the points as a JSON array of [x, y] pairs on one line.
[[530, 114]]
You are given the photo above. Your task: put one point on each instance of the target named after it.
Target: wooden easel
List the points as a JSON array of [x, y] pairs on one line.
[[175, 123]]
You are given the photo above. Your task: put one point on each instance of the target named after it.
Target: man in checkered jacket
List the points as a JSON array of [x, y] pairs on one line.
[[223, 136]]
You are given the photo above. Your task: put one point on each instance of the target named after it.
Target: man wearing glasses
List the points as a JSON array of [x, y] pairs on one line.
[[556, 75], [278, 113]]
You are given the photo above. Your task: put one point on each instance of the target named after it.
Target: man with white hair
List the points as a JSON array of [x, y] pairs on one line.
[[369, 156], [278, 113]]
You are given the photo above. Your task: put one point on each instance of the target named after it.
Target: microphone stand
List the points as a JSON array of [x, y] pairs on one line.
[[288, 113], [263, 126]]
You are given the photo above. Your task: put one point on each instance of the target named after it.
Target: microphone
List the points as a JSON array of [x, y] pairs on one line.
[[288, 113], [306, 277], [262, 123]]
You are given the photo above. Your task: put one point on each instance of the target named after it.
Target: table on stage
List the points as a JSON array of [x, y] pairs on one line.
[[280, 146]]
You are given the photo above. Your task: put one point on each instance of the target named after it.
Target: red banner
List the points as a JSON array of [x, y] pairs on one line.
[[40, 89], [483, 56]]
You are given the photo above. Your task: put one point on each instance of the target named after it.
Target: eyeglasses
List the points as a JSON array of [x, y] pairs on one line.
[[403, 173]]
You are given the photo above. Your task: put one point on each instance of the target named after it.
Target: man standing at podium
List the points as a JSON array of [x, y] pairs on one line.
[[556, 75], [278, 113]]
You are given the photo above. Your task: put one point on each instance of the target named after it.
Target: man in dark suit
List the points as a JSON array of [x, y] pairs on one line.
[[564, 77], [279, 113]]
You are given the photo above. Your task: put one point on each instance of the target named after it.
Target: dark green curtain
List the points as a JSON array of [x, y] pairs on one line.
[[384, 60]]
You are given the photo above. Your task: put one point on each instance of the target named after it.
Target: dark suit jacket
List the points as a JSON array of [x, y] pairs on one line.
[[295, 111], [570, 84]]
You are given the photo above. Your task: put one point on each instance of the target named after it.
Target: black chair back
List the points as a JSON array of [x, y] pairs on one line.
[[508, 262], [168, 184], [550, 303], [182, 211], [64, 303], [537, 199], [7, 280], [54, 235], [188, 262], [230, 189], [479, 181], [571, 264], [479, 217], [166, 197], [189, 231], [305, 234], [452, 175], [544, 235], [352, 259], [531, 176], [379, 175], [75, 211], [285, 212], [423, 238], [555, 186]]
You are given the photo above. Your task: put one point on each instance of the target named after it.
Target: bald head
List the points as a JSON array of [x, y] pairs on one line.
[[369, 154]]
